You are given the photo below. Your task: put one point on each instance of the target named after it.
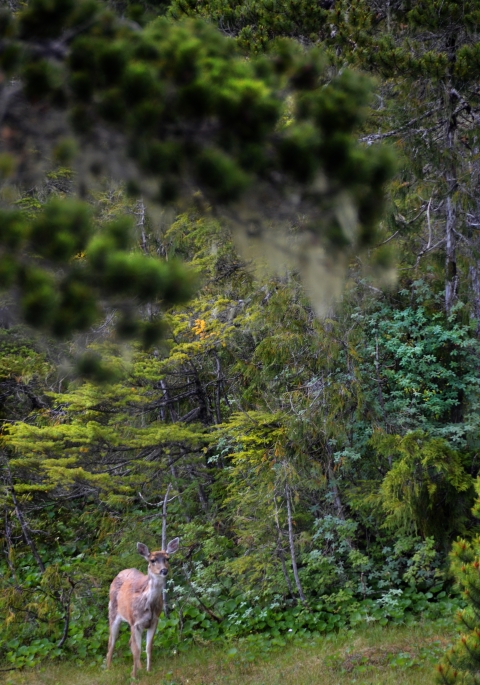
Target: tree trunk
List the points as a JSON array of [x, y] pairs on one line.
[[26, 531], [475, 283], [21, 519], [280, 552], [164, 543], [451, 275], [292, 546], [8, 544]]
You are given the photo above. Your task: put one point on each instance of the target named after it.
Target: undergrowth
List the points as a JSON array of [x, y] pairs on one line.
[[369, 654], [258, 629]]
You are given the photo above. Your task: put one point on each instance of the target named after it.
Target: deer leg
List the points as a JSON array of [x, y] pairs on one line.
[[135, 646], [112, 638], [150, 636]]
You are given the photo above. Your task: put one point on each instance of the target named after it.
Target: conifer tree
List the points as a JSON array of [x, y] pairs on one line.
[[461, 663], [426, 54], [260, 415], [171, 109]]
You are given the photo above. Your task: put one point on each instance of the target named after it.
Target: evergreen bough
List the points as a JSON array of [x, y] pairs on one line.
[[170, 109], [461, 664]]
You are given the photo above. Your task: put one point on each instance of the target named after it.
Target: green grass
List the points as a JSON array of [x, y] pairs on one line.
[[373, 656]]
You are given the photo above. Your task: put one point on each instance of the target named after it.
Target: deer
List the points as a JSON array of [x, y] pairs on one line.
[[137, 599]]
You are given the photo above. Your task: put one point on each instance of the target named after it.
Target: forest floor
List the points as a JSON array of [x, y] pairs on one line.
[[400, 655]]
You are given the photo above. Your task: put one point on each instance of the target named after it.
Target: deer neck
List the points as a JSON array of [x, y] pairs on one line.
[[156, 584]]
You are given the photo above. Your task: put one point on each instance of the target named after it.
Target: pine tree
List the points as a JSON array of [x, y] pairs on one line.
[[426, 55], [256, 25], [170, 109], [461, 663]]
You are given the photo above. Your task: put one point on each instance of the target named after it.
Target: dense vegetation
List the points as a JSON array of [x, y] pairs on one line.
[[311, 430]]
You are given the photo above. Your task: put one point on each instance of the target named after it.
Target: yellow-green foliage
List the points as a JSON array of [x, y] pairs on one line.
[[424, 483]]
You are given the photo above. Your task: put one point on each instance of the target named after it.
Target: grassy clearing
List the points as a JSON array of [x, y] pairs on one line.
[[374, 656]]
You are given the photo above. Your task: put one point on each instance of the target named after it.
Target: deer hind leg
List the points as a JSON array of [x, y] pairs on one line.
[[150, 636], [135, 646], [112, 638]]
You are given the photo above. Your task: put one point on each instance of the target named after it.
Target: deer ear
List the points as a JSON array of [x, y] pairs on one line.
[[172, 546], [143, 550]]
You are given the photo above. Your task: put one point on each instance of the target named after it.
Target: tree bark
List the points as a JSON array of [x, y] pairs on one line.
[[66, 623], [164, 543], [164, 517], [451, 275], [280, 553], [292, 545], [475, 283], [8, 543], [21, 519], [26, 531]]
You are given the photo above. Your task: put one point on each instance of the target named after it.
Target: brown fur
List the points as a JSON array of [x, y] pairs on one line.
[[127, 597]]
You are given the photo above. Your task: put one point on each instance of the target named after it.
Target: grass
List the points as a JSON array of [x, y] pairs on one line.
[[395, 655]]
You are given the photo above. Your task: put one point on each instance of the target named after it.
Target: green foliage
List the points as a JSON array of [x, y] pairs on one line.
[[187, 112], [186, 71], [98, 267], [319, 468], [428, 377], [459, 664], [207, 614], [230, 410], [427, 487], [256, 24]]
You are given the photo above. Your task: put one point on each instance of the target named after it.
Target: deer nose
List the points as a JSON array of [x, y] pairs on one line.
[[164, 571]]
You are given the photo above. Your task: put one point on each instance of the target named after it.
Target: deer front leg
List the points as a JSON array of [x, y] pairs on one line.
[[150, 636], [135, 646], [112, 638]]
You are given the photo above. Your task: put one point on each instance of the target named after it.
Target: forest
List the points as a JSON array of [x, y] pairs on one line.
[[240, 305]]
